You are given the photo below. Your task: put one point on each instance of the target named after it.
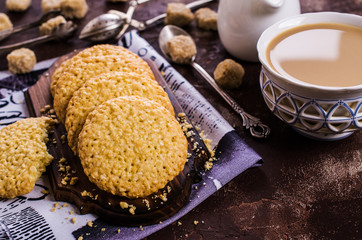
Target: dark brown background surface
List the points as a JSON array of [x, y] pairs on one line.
[[306, 189]]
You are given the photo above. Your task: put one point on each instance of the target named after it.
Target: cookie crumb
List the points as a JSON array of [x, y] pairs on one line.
[[63, 138], [208, 165], [147, 203], [132, 209], [123, 205], [163, 197], [73, 180]]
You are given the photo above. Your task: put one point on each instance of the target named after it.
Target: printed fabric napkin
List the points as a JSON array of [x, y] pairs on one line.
[[38, 216]]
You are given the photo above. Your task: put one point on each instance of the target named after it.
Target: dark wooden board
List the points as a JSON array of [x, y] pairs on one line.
[[86, 195]]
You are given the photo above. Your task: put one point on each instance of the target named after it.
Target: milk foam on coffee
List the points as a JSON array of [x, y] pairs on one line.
[[322, 54]]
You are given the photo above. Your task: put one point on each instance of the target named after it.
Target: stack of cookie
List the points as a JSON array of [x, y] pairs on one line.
[[119, 121]]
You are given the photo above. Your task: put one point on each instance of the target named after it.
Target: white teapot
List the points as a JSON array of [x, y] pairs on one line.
[[241, 22]]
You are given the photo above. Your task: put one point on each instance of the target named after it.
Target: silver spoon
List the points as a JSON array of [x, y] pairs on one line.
[[109, 25], [6, 33], [60, 32], [101, 28], [112, 24], [255, 126]]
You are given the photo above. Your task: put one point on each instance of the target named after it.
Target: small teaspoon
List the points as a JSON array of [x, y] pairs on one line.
[[256, 127]]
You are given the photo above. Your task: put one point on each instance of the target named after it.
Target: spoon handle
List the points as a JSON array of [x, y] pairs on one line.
[[8, 48], [6, 33], [256, 127], [132, 7]]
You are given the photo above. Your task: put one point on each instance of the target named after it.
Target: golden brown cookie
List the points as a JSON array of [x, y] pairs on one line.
[[104, 87], [132, 147], [23, 155], [83, 69], [94, 51]]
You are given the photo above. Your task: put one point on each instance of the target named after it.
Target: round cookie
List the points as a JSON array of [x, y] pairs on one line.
[[23, 155], [132, 147], [94, 51], [55, 76], [101, 88], [83, 69]]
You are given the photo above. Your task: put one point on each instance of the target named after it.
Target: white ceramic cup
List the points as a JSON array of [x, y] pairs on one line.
[[320, 112], [241, 22]]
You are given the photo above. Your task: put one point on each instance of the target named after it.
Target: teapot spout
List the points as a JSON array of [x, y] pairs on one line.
[[273, 4]]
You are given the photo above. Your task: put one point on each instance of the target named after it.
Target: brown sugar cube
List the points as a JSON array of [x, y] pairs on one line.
[[5, 22], [181, 49], [21, 60], [50, 5], [74, 8], [229, 74], [17, 5], [47, 27], [206, 19], [178, 14]]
